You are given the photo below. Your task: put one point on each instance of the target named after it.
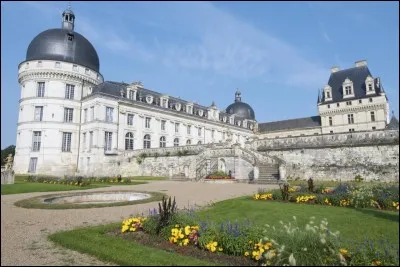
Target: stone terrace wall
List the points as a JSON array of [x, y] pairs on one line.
[[373, 155]]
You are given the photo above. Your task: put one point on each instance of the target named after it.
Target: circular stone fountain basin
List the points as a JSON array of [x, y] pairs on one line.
[[97, 198]]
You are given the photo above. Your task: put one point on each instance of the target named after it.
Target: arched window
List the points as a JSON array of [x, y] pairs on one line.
[[162, 141], [199, 143], [189, 142], [176, 142], [129, 141], [146, 141]]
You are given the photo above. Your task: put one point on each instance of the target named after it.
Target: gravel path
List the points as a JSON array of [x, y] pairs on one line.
[[24, 231]]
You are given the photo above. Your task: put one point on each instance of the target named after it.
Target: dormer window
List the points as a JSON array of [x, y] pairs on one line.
[[231, 120], [178, 106], [189, 109], [348, 90], [369, 84], [74, 67], [131, 94], [149, 99], [201, 112], [86, 71], [39, 64], [328, 93]]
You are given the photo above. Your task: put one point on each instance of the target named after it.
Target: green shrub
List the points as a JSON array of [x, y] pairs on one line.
[[310, 185], [166, 210], [167, 153], [150, 225], [139, 160], [179, 153], [156, 155], [358, 178], [219, 173]]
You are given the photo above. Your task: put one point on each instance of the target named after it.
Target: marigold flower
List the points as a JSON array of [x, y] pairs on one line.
[[246, 254], [376, 263]]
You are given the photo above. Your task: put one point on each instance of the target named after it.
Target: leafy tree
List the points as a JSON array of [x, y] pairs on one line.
[[5, 152]]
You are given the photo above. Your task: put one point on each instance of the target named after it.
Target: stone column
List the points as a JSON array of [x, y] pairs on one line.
[[170, 172], [256, 172], [186, 171], [282, 172]]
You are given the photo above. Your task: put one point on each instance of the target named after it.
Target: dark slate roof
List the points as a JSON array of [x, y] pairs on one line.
[[357, 75], [393, 124], [301, 123], [242, 110], [53, 44], [114, 89]]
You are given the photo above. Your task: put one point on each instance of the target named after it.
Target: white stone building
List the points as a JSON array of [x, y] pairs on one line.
[[71, 121]]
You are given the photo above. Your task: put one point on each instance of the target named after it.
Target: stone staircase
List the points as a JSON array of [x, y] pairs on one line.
[[179, 177], [268, 174]]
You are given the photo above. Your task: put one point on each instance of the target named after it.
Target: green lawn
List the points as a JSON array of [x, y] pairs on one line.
[[146, 178], [93, 241], [24, 187], [354, 225], [21, 186]]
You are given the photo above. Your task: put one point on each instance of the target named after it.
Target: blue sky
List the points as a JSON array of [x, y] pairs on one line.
[[279, 54]]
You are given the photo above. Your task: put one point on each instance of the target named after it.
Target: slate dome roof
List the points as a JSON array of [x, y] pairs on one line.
[[241, 109], [63, 45]]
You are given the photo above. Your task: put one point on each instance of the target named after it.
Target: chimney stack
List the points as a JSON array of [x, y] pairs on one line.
[[334, 69], [361, 63]]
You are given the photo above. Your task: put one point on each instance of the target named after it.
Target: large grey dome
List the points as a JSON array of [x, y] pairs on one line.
[[240, 108], [63, 45]]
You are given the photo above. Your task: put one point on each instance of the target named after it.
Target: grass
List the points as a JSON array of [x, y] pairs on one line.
[[147, 178], [36, 202], [20, 186], [354, 226], [93, 241], [24, 187]]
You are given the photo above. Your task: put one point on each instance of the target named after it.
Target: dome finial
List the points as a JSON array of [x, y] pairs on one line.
[[68, 18], [238, 98]]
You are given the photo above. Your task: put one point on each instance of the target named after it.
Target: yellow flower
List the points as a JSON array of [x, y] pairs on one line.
[[220, 249], [187, 230], [376, 263], [124, 228], [176, 225], [250, 242], [185, 242], [344, 251], [246, 254]]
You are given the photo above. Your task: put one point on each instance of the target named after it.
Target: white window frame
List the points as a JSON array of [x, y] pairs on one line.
[[68, 114], [129, 141], [199, 131], [176, 127], [146, 141], [66, 142], [38, 113], [189, 129], [163, 125], [330, 120], [40, 89], [147, 122], [90, 140], [107, 141], [92, 113], [32, 165], [350, 118], [85, 115], [129, 119], [69, 91], [36, 140], [176, 142], [372, 114], [109, 114], [163, 141], [84, 141]]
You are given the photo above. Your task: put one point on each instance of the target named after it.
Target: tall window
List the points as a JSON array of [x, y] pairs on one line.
[[68, 114], [188, 129], [212, 133], [348, 90], [32, 165], [147, 122], [330, 121], [199, 131], [350, 118], [146, 141], [38, 113], [328, 95], [129, 141], [163, 125], [372, 115], [107, 141], [92, 113], [176, 142], [36, 141], [370, 100], [348, 103], [90, 140], [130, 94], [164, 103], [66, 142], [162, 141], [40, 89], [177, 127], [130, 119], [69, 91], [189, 142], [109, 114], [84, 141], [85, 115]]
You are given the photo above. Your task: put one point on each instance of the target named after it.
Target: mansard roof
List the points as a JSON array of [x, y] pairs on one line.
[[301, 123], [393, 124], [357, 75]]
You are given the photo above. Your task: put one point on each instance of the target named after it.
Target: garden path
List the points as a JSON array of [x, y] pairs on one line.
[[24, 231]]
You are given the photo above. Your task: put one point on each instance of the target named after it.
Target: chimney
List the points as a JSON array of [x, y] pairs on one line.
[[334, 69], [361, 63]]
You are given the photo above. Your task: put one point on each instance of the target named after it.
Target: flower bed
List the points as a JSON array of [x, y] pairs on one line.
[[358, 196], [66, 180], [289, 244], [219, 177]]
